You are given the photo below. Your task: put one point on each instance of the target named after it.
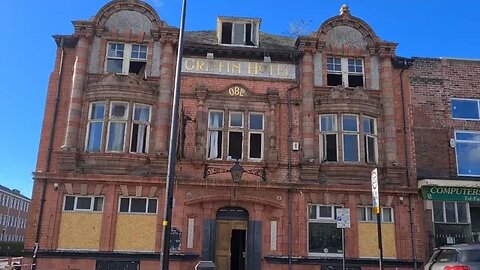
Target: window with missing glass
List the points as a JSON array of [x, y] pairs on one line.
[[328, 137], [242, 135], [324, 238], [451, 222], [83, 203], [138, 205], [467, 151], [118, 126], [466, 109], [126, 58], [345, 71], [241, 32]]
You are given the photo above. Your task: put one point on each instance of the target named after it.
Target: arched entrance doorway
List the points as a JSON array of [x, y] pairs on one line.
[[231, 248]]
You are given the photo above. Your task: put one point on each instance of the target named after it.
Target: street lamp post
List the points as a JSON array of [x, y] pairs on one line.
[[172, 151]]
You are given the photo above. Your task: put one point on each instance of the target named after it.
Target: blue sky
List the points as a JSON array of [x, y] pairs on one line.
[[426, 28]]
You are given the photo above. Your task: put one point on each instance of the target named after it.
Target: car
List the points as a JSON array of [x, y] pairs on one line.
[[455, 257]]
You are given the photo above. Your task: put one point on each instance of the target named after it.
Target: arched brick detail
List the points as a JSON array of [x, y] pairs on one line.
[[134, 5], [345, 19]]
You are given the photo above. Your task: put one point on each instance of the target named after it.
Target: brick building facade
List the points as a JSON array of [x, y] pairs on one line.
[[307, 120], [13, 215], [445, 102]]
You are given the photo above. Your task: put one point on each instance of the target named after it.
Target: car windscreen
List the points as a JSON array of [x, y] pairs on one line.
[[446, 255], [469, 256]]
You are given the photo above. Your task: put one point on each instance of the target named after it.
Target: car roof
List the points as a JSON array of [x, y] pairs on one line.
[[462, 247]]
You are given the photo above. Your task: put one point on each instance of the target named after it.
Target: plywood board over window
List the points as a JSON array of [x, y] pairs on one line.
[[80, 230]]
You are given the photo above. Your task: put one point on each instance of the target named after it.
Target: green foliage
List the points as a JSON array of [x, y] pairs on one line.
[[11, 249]]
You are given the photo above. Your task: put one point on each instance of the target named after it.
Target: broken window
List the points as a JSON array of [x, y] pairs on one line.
[[140, 128], [345, 71], [256, 136], [334, 71], [237, 135], [239, 33], [126, 58], [328, 137], [227, 32], [355, 72], [122, 125]]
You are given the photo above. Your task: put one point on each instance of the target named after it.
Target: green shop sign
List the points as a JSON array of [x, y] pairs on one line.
[[459, 194]]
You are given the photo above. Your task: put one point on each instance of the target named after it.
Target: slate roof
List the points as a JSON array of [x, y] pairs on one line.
[[268, 42]]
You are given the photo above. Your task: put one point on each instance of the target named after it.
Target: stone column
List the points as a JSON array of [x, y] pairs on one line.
[[272, 96], [388, 100], [164, 102], [202, 122], [307, 46], [76, 97]]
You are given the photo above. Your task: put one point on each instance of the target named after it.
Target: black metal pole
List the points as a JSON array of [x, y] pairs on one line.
[[172, 149], [343, 248], [379, 230]]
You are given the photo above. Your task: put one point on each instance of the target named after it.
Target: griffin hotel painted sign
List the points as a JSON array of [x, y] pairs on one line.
[[238, 68]]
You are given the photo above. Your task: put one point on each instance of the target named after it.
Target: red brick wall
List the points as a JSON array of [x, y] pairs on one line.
[[434, 82], [45, 137]]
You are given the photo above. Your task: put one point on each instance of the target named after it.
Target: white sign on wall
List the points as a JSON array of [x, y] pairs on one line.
[[343, 218]]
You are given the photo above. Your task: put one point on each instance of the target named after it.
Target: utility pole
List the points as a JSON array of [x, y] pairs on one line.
[[172, 151]]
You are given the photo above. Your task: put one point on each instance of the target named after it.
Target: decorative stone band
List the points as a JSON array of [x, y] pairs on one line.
[[239, 68]]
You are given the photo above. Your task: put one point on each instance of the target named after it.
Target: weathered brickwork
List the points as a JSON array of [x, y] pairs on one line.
[[434, 82], [272, 207]]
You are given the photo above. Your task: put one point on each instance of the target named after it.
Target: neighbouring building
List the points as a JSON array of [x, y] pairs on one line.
[[446, 115], [306, 121], [13, 215]]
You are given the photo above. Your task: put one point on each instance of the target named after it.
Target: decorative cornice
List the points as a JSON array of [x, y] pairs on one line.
[[168, 35], [83, 28], [387, 49], [69, 41], [306, 44]]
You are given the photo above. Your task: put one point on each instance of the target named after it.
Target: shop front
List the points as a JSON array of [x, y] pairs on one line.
[[455, 210]]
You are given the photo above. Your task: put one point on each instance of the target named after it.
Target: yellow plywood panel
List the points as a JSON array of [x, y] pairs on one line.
[[80, 230], [368, 240], [135, 232]]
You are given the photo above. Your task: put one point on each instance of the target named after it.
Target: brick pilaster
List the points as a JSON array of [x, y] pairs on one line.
[[308, 113], [76, 97], [202, 122], [388, 100], [164, 98], [272, 138]]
